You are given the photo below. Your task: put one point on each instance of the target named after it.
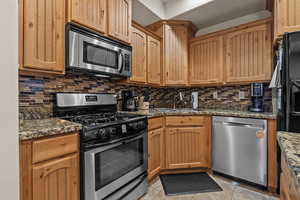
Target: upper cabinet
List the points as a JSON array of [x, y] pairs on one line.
[[206, 61], [153, 60], [139, 56], [286, 16], [42, 35], [248, 54], [90, 13], [119, 19], [176, 35], [146, 58]]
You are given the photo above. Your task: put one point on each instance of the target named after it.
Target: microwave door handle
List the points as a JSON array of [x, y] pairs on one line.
[[121, 61]]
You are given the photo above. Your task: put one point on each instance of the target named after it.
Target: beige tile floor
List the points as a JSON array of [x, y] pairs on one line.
[[231, 191]]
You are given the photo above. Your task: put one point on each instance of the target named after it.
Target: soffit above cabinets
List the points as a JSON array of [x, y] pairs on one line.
[[203, 13]]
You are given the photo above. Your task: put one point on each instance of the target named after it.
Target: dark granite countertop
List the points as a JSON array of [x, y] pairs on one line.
[[158, 112], [33, 129], [290, 146]]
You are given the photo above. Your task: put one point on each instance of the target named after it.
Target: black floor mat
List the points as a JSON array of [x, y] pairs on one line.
[[176, 184]]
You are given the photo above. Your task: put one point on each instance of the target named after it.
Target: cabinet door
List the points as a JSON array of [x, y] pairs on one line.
[[206, 61], [187, 147], [248, 55], [90, 13], [139, 62], [119, 19], [44, 35], [155, 146], [153, 61], [287, 16], [176, 55], [57, 179]]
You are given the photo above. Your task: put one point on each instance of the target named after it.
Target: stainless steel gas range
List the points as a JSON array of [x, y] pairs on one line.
[[113, 146]]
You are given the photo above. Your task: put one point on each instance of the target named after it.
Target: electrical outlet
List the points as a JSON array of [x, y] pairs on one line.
[[215, 95], [242, 95]]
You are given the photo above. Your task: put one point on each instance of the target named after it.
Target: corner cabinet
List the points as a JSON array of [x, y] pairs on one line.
[[176, 34], [206, 61], [146, 58], [42, 35], [286, 16], [119, 19], [248, 54], [90, 13]]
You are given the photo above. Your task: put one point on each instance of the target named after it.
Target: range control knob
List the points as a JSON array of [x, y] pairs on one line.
[[103, 133]]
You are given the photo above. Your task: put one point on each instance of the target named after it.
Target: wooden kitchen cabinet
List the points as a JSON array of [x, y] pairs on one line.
[[42, 35], [286, 16], [188, 147], [155, 150], [206, 61], [89, 13], [176, 35], [119, 19], [56, 179], [139, 56], [49, 168], [153, 61], [249, 54], [155, 146]]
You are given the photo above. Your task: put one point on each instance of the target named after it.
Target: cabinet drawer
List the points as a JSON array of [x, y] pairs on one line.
[[185, 121], [46, 149], [155, 123]]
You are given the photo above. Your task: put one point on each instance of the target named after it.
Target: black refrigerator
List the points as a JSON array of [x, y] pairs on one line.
[[289, 90]]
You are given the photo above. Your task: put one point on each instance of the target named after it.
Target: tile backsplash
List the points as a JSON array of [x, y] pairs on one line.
[[36, 94]]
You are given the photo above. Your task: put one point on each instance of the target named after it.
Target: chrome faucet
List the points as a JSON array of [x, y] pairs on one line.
[[181, 99]]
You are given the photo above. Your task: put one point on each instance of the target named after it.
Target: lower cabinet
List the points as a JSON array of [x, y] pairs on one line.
[[155, 150], [56, 174], [57, 179], [187, 147]]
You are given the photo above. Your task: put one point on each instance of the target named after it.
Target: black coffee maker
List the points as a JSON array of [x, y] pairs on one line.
[[129, 100], [257, 97]]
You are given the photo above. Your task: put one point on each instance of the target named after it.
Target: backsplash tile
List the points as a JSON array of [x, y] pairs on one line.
[[36, 96]]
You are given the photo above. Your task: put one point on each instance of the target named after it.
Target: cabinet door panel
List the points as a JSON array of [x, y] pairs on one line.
[[187, 147], [155, 149], [139, 48], [176, 55], [248, 55], [153, 61], [44, 33], [119, 19], [206, 61], [90, 13], [289, 15], [57, 179]]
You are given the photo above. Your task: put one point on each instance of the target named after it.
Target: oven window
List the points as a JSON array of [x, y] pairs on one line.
[[97, 55], [116, 162]]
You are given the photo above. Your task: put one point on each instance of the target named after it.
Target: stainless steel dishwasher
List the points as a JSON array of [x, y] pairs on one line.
[[240, 148]]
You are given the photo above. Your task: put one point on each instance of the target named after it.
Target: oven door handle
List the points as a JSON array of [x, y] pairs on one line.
[[110, 146]]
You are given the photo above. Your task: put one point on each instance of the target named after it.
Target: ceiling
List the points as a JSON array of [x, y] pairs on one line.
[[211, 13]]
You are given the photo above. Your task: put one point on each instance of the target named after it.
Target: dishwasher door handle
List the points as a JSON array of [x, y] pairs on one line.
[[236, 124]]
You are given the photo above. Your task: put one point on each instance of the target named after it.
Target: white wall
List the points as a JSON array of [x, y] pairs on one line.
[[156, 6], [177, 7], [234, 22], [9, 172]]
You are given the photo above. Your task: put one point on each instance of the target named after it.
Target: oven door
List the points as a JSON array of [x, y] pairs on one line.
[[110, 167]]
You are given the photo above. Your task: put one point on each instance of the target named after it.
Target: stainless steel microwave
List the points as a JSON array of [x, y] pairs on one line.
[[90, 52]]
